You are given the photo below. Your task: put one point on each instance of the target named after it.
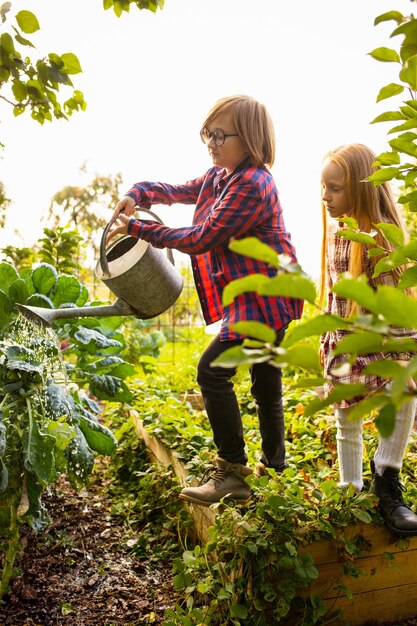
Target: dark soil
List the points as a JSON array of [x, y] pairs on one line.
[[81, 573]]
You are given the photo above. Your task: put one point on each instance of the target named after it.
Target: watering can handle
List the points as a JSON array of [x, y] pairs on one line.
[[103, 258]]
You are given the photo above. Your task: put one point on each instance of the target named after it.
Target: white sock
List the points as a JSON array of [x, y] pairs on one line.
[[391, 450], [349, 449]]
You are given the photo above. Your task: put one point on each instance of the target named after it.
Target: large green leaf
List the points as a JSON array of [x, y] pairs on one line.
[[98, 437], [5, 308], [315, 326], [391, 232], [67, 289], [62, 432], [58, 402], [387, 158], [389, 15], [303, 356], [385, 54], [363, 408], [408, 197], [257, 330], [289, 285], [389, 262], [23, 359], [383, 175], [339, 393], [384, 369], [37, 299], [408, 73], [239, 286], [28, 22], [83, 297], [8, 275], [410, 250], [238, 355], [255, 249], [358, 290], [385, 421], [36, 515], [393, 89], [107, 387], [123, 370], [71, 63], [44, 278], [359, 343], [4, 476], [366, 238], [408, 278], [401, 145], [38, 452], [94, 340], [18, 291], [396, 307], [80, 459], [389, 116]]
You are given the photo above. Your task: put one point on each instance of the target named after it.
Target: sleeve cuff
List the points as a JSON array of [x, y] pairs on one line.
[[130, 226]]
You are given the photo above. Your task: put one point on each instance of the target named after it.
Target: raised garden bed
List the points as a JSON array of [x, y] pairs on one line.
[[381, 584]]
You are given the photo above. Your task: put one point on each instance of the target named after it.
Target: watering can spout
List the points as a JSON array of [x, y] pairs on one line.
[[45, 317], [142, 277]]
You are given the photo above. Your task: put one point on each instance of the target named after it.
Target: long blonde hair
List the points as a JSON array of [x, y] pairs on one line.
[[253, 124], [369, 205]]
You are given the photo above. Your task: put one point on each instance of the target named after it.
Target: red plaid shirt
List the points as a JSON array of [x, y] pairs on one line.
[[244, 204]]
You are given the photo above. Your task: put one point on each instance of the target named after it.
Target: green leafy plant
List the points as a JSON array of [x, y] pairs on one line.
[[46, 429], [48, 424], [59, 247], [255, 566], [144, 495]]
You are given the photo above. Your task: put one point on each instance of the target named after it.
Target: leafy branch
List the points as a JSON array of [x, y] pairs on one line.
[[34, 85]]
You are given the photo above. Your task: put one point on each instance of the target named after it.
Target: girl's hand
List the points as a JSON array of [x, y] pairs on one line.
[[119, 227], [127, 205]]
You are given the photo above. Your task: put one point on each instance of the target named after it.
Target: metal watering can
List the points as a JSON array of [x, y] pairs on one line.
[[143, 278]]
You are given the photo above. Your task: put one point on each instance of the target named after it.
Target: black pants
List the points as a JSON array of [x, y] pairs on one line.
[[223, 409]]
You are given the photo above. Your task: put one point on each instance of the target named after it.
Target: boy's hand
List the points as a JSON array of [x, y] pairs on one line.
[[125, 205], [119, 227]]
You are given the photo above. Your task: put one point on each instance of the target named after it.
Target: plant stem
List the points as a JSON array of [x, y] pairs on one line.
[[11, 552]]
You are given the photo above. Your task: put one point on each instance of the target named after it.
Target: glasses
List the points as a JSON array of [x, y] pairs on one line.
[[218, 135]]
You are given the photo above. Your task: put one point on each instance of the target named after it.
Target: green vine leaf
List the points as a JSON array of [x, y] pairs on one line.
[[392, 233], [27, 21], [390, 15], [408, 74], [255, 249], [385, 54], [393, 89]]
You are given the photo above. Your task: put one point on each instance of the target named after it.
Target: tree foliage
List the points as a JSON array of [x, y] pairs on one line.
[[35, 85], [124, 5]]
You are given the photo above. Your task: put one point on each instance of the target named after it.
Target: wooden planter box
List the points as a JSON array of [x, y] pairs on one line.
[[387, 588]]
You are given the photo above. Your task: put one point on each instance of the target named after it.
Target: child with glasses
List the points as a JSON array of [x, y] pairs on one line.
[[235, 198]]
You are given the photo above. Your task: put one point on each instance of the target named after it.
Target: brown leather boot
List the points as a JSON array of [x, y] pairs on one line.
[[228, 480], [399, 518]]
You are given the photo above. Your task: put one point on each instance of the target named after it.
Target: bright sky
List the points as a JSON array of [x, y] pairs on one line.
[[149, 79]]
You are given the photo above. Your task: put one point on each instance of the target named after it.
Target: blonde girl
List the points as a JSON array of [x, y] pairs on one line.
[[345, 193]]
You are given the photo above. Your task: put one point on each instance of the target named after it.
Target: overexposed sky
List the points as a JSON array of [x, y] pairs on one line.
[[149, 79]]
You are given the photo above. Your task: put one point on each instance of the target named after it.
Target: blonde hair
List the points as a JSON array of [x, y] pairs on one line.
[[253, 125], [369, 205]]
